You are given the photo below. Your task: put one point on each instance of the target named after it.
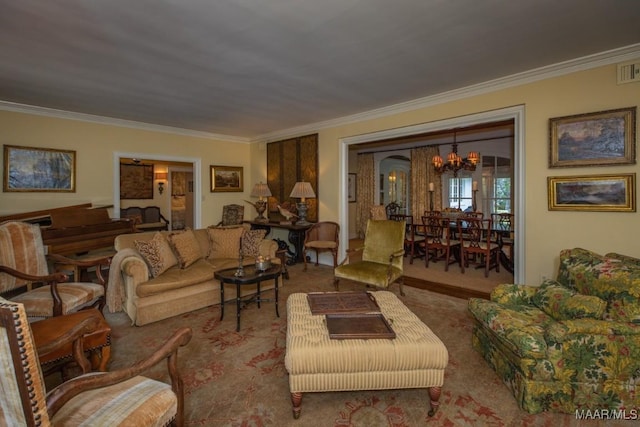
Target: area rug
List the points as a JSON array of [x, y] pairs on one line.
[[239, 378]]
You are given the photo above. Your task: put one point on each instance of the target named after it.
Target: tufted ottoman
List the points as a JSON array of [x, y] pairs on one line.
[[416, 358]]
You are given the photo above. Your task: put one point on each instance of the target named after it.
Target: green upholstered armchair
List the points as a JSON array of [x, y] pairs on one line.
[[569, 344], [382, 256]]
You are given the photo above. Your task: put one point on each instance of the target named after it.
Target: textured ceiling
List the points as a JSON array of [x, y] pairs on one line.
[[248, 68]]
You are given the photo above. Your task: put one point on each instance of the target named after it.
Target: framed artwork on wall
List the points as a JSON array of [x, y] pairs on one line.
[[136, 181], [604, 193], [594, 139], [352, 188], [226, 179], [31, 169]]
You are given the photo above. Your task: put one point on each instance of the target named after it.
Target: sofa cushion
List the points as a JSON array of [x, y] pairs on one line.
[[225, 242], [157, 253], [519, 328], [186, 247], [251, 240], [563, 304], [176, 278]]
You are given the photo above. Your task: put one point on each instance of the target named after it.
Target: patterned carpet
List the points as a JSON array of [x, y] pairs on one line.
[[239, 379]]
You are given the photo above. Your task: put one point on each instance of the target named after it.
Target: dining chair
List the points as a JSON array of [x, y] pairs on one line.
[[24, 266], [392, 209], [475, 239], [117, 398], [412, 236], [439, 244], [322, 236], [503, 227]]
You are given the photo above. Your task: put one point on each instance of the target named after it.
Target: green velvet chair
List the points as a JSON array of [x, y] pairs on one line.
[[382, 257]]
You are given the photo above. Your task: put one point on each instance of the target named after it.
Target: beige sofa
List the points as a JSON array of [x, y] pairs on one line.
[[148, 293]]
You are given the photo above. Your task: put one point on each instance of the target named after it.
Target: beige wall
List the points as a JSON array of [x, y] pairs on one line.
[[95, 145], [546, 233]]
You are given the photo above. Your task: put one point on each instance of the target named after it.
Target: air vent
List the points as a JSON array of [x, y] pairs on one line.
[[628, 73]]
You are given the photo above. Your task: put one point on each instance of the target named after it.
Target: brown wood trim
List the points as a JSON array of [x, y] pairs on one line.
[[442, 288]]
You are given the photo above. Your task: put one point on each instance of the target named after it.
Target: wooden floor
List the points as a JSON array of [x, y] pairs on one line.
[[471, 284]]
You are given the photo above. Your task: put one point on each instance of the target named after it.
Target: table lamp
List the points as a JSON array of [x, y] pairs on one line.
[[302, 190], [261, 191]]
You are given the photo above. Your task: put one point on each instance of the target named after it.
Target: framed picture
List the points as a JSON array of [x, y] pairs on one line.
[[352, 188], [226, 179], [605, 193], [39, 170], [593, 139], [136, 181]]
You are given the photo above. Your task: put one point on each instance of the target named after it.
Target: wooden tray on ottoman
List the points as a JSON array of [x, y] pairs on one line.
[[358, 326], [342, 302]]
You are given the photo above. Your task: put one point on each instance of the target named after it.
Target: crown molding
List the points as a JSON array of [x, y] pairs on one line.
[[623, 54], [613, 56], [82, 117]]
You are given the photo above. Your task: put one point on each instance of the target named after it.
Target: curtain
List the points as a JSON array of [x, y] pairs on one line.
[[423, 173], [366, 191]]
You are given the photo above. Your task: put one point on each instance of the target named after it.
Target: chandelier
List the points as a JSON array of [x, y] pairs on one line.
[[455, 162]]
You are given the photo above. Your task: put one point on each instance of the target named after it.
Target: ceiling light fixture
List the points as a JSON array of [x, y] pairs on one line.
[[454, 161]]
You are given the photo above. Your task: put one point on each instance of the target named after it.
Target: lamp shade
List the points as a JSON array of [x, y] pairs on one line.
[[302, 190], [260, 190], [161, 175]]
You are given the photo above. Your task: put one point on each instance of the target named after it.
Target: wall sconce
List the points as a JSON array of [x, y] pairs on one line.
[[260, 190], [161, 177], [302, 190]]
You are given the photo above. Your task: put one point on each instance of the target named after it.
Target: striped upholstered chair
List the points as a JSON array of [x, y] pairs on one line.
[[23, 263], [99, 399]]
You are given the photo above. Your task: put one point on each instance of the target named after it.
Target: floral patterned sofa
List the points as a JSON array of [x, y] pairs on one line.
[[572, 343]]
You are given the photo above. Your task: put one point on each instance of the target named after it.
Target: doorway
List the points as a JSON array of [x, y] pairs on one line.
[[195, 166], [515, 114]]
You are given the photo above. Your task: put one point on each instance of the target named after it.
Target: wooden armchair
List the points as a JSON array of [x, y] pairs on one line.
[[232, 215], [25, 276], [322, 236], [100, 399], [382, 257]]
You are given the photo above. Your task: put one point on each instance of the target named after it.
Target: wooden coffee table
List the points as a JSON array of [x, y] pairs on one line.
[[251, 276]]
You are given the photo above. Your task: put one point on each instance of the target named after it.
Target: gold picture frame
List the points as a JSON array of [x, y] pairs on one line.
[[600, 193], [33, 169], [594, 139], [226, 179]]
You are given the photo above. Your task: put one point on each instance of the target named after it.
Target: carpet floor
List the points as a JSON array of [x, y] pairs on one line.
[[239, 378]]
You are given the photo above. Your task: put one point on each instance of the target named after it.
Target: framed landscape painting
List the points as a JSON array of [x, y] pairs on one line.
[[605, 193], [593, 139], [31, 169], [226, 179]]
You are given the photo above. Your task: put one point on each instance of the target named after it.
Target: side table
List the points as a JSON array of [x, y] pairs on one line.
[[251, 276]]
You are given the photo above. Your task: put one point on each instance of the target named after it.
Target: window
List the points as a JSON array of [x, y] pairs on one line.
[[496, 183], [460, 193]]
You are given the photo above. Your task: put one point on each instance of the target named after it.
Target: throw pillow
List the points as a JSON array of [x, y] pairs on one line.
[[564, 304], [186, 247], [251, 240], [157, 254], [225, 242]]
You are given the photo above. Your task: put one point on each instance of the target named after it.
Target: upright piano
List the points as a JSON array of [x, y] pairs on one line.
[[76, 230]]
